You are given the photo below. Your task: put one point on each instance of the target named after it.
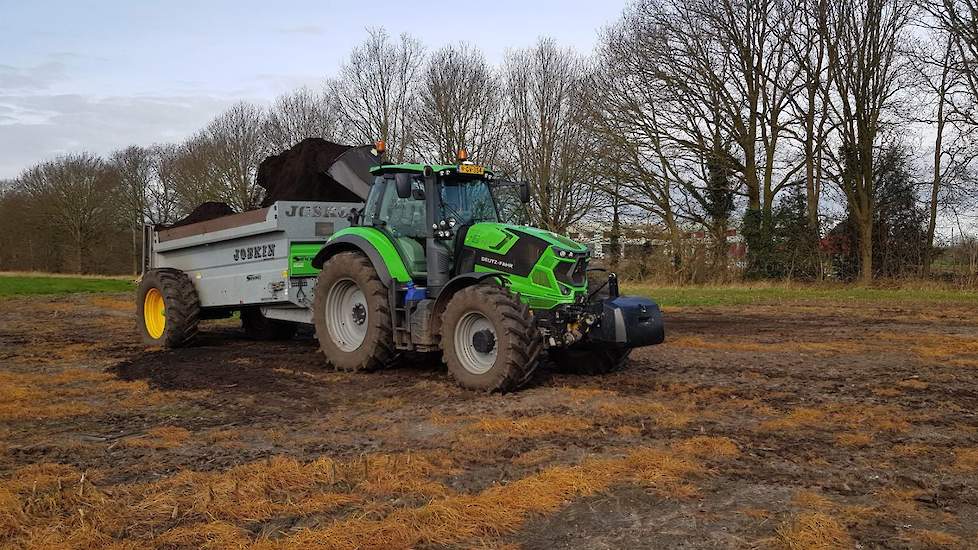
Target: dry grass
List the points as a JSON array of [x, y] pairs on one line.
[[532, 426], [913, 384], [535, 456], [115, 304], [867, 418], [912, 450], [897, 502], [708, 447], [828, 347], [926, 538], [811, 500], [643, 410], [936, 347], [163, 437], [800, 418], [75, 392], [853, 440], [52, 505], [966, 460], [499, 509], [813, 531]]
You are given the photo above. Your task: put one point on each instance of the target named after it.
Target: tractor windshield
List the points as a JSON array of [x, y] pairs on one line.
[[468, 200]]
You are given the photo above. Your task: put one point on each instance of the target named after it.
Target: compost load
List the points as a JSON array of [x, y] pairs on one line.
[[300, 174], [306, 172], [206, 211]]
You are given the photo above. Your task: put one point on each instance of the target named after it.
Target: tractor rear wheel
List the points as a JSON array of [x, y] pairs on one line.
[[488, 339], [259, 327], [583, 360], [352, 315], [167, 308]]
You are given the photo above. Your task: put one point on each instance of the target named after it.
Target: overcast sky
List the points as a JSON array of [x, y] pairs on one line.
[[96, 76]]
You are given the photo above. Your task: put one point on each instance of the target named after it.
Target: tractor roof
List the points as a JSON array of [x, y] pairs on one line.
[[416, 168]]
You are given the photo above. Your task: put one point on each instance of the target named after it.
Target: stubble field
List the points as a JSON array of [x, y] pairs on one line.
[[794, 422]]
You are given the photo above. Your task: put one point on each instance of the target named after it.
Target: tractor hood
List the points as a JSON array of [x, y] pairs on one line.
[[548, 236]]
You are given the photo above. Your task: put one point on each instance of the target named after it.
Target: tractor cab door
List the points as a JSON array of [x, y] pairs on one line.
[[402, 219]]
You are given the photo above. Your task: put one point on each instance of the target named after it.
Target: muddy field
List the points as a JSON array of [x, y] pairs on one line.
[[807, 425]]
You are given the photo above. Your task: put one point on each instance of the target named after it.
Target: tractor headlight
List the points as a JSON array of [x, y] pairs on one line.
[[561, 253]]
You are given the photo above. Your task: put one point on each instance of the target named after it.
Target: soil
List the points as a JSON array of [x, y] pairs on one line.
[[862, 416], [206, 211], [299, 174]]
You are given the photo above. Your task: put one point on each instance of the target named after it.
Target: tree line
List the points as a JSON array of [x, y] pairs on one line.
[[842, 131]]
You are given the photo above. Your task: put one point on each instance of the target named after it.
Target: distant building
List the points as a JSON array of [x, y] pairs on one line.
[[639, 239]]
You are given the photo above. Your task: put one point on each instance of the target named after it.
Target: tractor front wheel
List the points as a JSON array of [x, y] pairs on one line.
[[489, 341], [351, 314], [167, 308]]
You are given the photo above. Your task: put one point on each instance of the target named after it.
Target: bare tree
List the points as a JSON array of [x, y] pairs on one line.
[[74, 192], [934, 61], [375, 92], [296, 116], [811, 104], [133, 169], [190, 169], [549, 144], [459, 106], [238, 148], [959, 19], [863, 38]]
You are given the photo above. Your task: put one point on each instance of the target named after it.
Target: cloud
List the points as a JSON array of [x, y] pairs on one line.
[[27, 79], [34, 128]]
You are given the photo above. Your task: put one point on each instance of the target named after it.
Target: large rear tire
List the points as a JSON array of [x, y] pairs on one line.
[[167, 308], [259, 327], [488, 339], [352, 315], [598, 360]]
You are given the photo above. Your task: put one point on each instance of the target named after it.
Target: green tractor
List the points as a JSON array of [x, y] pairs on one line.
[[429, 265]]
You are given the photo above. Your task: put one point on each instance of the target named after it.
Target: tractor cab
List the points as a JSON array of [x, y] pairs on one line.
[[462, 195]]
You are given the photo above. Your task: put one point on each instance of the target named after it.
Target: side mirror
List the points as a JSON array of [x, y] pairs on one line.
[[402, 182], [524, 192]]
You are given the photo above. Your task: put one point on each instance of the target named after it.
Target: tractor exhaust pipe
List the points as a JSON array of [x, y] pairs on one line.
[[437, 258]]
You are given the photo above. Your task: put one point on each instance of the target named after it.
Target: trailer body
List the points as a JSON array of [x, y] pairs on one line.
[[255, 258]]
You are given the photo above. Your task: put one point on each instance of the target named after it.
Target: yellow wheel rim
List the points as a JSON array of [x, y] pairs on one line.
[[154, 313]]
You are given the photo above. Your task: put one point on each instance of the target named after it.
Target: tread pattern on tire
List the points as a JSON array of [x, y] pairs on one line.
[[181, 303], [370, 355], [519, 352]]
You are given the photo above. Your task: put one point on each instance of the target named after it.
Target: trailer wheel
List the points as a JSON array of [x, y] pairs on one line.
[[259, 327], [489, 340], [351, 314], [167, 308], [583, 360]]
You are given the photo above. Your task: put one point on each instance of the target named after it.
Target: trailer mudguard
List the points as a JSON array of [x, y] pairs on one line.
[[373, 244]]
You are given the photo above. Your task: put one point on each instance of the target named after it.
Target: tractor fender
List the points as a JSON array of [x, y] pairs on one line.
[[454, 285], [354, 243]]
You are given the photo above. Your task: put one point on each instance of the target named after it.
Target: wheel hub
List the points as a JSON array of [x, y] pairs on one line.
[[484, 341], [359, 314]]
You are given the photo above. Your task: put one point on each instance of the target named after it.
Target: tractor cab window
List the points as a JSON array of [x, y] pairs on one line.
[[401, 217], [468, 201]]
